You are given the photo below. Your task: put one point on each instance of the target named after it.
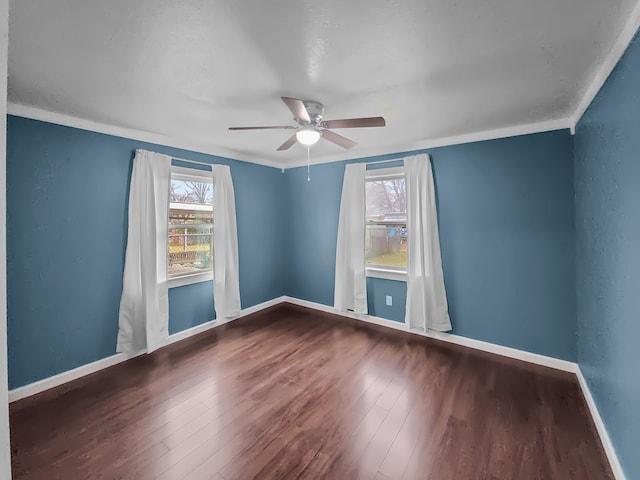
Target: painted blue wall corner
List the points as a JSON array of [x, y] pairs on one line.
[[506, 224], [67, 194], [506, 217], [607, 179]]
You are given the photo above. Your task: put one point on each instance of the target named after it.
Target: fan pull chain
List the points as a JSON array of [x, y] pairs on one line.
[[308, 166]]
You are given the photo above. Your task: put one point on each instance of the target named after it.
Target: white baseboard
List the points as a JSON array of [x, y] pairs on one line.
[[203, 327], [602, 429], [68, 376], [447, 337], [499, 350], [84, 370], [56, 380]]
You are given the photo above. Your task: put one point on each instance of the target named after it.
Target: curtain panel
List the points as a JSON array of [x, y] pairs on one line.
[[144, 305], [351, 280], [426, 307], [226, 271]]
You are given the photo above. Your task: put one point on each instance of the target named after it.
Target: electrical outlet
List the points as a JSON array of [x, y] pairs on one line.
[[389, 300]]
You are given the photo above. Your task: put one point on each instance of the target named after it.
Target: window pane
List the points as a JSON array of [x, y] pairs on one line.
[[386, 245], [386, 228], [190, 243], [182, 191], [190, 250], [386, 200]]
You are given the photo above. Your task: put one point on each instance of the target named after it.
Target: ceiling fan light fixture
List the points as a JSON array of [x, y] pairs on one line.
[[308, 136], [308, 115]]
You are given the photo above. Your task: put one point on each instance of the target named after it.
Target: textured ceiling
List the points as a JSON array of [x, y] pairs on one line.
[[188, 69]]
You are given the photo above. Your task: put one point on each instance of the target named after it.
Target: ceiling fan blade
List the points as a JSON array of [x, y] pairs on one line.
[[287, 145], [275, 127], [354, 122], [338, 139], [297, 108]]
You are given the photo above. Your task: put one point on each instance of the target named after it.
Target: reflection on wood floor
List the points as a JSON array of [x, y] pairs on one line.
[[293, 393]]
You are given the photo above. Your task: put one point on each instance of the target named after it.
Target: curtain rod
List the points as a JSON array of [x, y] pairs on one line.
[[192, 161]]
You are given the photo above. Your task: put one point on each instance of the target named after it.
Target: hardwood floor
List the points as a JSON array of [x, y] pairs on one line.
[[293, 393]]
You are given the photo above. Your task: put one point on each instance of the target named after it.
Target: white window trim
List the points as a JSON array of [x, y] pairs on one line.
[[381, 271], [384, 173], [399, 274], [190, 175], [173, 282]]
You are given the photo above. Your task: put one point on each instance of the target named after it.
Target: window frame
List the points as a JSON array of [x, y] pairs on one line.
[[384, 271], [188, 175]]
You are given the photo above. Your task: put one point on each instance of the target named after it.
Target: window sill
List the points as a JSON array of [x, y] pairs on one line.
[[189, 279], [387, 274]]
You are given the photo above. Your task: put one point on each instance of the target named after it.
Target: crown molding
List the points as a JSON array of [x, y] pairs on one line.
[[34, 113], [610, 61], [83, 124], [526, 129], [602, 73]]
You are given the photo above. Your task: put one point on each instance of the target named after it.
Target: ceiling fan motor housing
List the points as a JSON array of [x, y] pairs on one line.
[[315, 111]]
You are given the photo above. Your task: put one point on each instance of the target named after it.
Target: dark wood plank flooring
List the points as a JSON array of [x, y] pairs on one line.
[[292, 393]]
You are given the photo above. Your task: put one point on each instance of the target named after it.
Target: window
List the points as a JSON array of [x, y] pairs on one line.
[[386, 223], [190, 242]]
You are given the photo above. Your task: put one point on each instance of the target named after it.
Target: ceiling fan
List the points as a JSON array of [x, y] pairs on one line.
[[311, 127]]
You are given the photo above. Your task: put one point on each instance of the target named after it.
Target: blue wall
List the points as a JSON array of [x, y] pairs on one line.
[[506, 222], [607, 169], [517, 271], [67, 193], [506, 217]]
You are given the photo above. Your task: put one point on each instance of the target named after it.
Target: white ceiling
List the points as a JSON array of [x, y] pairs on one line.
[[189, 69]]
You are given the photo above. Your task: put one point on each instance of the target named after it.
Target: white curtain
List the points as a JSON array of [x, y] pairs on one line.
[[426, 295], [226, 276], [144, 306], [351, 281]]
